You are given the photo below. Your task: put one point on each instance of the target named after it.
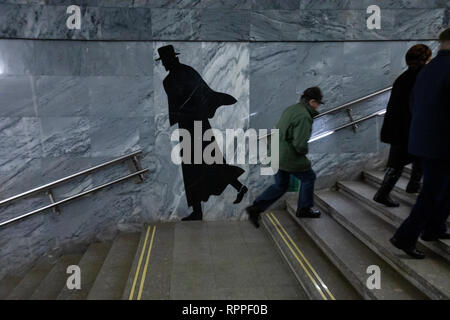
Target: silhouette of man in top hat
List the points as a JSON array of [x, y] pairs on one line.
[[191, 99]]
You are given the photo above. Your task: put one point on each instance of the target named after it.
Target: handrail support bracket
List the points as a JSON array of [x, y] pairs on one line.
[[350, 115], [52, 200]]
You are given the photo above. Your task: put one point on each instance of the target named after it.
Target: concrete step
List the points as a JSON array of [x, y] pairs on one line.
[[320, 279], [56, 279], [150, 273], [112, 277], [375, 178], [407, 171], [431, 275], [7, 284], [353, 258], [31, 281], [364, 192], [90, 265]]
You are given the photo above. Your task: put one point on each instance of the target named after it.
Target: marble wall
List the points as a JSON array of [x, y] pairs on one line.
[[220, 20], [68, 105]]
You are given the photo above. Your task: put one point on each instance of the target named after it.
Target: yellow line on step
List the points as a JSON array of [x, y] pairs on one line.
[[324, 286], [144, 274], [138, 269], [297, 258]]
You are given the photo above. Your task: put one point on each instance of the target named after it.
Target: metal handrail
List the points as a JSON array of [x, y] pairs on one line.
[[330, 132], [353, 102], [135, 168], [343, 106], [53, 205], [57, 182]]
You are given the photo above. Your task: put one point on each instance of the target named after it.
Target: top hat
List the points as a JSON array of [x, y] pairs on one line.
[[166, 53]]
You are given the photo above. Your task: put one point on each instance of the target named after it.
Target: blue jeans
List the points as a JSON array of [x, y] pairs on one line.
[[275, 191]]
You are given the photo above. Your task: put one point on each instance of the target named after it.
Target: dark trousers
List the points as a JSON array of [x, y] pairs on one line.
[[431, 211], [275, 191], [399, 158]]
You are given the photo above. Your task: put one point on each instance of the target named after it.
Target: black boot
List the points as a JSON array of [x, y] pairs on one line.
[[193, 216], [196, 215], [411, 251], [240, 194], [308, 213], [414, 184], [390, 179]]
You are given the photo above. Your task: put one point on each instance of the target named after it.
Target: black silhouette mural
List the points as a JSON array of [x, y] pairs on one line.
[[191, 99]]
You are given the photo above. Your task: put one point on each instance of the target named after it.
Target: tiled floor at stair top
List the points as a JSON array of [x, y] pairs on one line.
[[228, 260]]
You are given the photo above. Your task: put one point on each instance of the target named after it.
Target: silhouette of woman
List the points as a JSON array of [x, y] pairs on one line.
[[191, 99]]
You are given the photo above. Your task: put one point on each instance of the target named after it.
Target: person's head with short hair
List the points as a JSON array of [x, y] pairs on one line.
[[444, 39], [313, 96], [418, 56]]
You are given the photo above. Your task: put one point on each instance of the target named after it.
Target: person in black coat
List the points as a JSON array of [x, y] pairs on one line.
[[191, 100], [430, 141], [396, 125]]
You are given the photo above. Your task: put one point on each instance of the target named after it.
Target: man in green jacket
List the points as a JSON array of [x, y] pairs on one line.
[[295, 126]]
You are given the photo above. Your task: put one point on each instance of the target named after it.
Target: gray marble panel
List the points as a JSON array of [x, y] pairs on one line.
[[113, 136], [60, 96], [318, 25], [16, 96], [56, 168], [16, 57], [274, 25], [63, 136], [23, 242], [398, 4], [174, 24], [172, 4], [272, 82], [101, 23], [275, 4], [18, 175], [367, 68], [227, 70], [325, 4], [22, 21], [320, 64], [122, 97], [357, 26], [116, 59], [20, 138], [57, 58], [126, 24], [56, 17], [364, 140], [226, 4], [224, 24], [409, 24], [331, 167]]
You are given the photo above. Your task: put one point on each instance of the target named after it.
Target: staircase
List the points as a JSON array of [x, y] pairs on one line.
[[354, 232], [317, 259]]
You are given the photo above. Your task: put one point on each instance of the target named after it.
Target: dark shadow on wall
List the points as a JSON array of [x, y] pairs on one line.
[[191, 101]]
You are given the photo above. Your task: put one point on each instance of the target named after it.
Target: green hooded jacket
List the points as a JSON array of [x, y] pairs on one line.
[[295, 127]]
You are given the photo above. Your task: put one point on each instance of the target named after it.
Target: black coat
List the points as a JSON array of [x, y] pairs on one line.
[[397, 120], [430, 109], [191, 99]]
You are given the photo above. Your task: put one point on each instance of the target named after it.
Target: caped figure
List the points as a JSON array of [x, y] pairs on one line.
[[429, 140], [396, 125], [295, 128], [191, 99]]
